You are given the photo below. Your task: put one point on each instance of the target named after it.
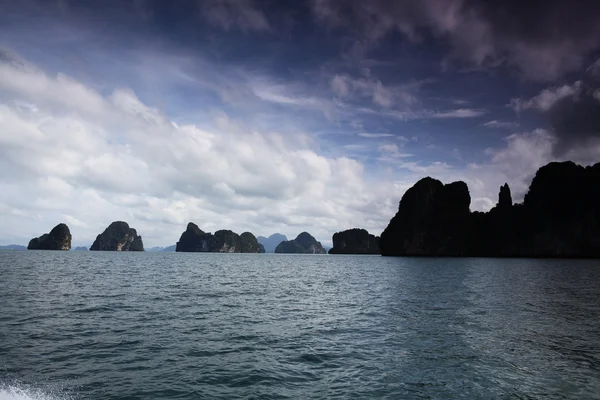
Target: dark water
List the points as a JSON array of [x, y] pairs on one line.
[[185, 326]]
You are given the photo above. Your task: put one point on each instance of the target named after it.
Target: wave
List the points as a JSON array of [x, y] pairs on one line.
[[23, 393]]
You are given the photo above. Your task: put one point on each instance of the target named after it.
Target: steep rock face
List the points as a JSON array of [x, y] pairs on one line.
[[303, 244], [223, 241], [118, 236], [59, 238], [355, 241], [250, 244], [431, 220], [559, 217], [270, 243]]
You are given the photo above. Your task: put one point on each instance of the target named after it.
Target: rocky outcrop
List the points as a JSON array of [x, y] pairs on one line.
[[559, 217], [271, 243], [430, 221], [118, 236], [250, 244], [195, 239], [59, 238], [303, 244], [355, 241]]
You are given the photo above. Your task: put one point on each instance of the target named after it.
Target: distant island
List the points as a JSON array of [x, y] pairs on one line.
[[195, 239], [270, 243], [559, 217], [355, 241], [13, 247], [118, 236], [80, 248], [303, 244], [59, 238], [158, 249]]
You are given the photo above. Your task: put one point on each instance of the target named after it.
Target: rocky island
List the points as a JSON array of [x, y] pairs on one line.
[[355, 241], [303, 244], [59, 238], [195, 239], [559, 217], [270, 243], [118, 236]]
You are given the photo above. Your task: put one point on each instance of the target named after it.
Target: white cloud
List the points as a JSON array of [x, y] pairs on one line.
[[133, 164], [500, 124], [375, 135], [546, 98], [459, 113]]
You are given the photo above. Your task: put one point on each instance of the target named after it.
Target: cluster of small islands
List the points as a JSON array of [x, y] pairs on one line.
[[559, 217]]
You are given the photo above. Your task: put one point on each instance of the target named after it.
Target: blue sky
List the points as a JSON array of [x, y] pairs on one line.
[[274, 116]]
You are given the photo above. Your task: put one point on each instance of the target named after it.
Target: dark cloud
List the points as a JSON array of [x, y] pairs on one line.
[[575, 119], [538, 37]]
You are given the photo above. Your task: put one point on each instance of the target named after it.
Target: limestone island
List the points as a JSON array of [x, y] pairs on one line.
[[303, 244], [59, 238], [195, 239], [118, 236]]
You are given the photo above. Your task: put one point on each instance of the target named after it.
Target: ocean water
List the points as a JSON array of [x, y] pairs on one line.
[[96, 325]]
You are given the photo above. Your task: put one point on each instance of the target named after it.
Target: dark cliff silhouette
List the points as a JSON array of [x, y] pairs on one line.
[[195, 239], [355, 241], [304, 243], [59, 238], [559, 217], [271, 243], [118, 236]]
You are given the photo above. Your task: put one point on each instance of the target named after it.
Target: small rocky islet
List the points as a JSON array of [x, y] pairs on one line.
[[559, 217]]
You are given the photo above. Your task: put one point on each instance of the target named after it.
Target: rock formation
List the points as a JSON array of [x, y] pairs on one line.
[[559, 217], [303, 244], [59, 238], [355, 241], [118, 237], [223, 241], [270, 243]]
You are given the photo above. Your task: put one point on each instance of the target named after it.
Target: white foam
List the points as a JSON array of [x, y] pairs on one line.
[[16, 393]]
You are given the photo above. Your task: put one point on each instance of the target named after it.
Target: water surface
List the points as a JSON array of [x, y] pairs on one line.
[[101, 325]]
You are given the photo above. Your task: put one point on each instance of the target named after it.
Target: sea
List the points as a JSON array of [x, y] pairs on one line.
[[120, 325]]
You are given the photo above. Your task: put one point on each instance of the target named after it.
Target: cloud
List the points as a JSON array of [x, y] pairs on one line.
[[546, 98], [345, 86], [459, 113], [537, 38], [500, 124], [230, 14], [123, 159], [375, 135]]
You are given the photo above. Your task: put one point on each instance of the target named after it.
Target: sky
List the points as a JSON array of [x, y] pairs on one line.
[[281, 116]]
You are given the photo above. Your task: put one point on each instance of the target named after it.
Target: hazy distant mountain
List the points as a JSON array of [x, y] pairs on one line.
[[169, 248], [80, 248], [271, 242], [155, 249], [13, 247]]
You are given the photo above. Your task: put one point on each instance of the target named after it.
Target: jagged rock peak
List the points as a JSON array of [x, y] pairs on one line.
[[504, 197], [59, 238], [118, 236]]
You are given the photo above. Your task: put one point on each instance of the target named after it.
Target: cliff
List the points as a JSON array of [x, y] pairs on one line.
[[118, 236], [559, 217], [355, 241], [195, 239], [303, 244], [59, 238]]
